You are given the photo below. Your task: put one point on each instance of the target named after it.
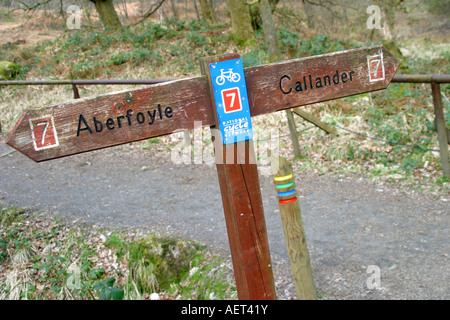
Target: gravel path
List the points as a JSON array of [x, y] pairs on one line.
[[350, 224]]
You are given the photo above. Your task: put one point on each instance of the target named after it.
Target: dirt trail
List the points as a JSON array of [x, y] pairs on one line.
[[350, 224], [26, 35]]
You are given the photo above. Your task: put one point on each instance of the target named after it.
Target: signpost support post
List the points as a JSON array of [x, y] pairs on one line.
[[243, 208]]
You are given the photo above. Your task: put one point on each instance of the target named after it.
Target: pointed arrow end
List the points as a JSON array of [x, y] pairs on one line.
[[392, 63], [19, 137], [11, 138]]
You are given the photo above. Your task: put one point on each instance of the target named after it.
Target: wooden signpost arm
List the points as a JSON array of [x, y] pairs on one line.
[[88, 124], [298, 82], [244, 214], [112, 119]]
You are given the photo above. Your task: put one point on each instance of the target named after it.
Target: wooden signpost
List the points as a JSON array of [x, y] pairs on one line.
[[239, 182], [93, 123]]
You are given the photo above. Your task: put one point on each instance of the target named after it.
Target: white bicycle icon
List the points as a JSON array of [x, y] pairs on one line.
[[227, 75]]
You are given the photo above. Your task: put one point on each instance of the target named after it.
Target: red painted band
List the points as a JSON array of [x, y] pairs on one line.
[[288, 200]]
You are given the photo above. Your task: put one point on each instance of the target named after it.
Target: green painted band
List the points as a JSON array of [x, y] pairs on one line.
[[286, 185]]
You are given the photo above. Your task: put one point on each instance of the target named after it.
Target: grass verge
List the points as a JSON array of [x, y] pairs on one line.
[[42, 258]]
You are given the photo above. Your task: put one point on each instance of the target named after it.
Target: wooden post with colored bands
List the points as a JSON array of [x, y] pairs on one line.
[[293, 230]]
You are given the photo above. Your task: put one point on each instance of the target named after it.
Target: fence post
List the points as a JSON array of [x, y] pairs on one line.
[[315, 121], [76, 94], [441, 129], [293, 133], [293, 229]]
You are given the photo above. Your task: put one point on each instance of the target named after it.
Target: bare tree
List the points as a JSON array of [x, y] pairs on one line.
[[151, 11], [255, 12], [206, 9], [196, 10], [107, 13], [240, 21], [270, 34], [28, 7], [174, 10]]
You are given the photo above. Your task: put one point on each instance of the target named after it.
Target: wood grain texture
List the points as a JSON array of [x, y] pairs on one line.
[[295, 239], [244, 213], [315, 121], [272, 87], [188, 100], [263, 82], [441, 129]]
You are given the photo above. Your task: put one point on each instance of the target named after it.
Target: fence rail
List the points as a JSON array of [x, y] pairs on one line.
[[405, 78], [421, 78], [82, 82], [434, 79]]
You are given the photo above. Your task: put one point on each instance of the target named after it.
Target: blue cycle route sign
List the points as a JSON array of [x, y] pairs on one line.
[[230, 94]]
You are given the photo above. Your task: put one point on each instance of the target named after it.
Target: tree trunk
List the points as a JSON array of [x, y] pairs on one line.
[[240, 22], [270, 34], [61, 13], [255, 12], [107, 13], [125, 9], [206, 8], [196, 10], [174, 10]]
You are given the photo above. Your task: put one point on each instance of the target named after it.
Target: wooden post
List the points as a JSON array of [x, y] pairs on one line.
[[293, 133], [243, 208], [315, 121], [441, 129], [293, 229], [76, 94]]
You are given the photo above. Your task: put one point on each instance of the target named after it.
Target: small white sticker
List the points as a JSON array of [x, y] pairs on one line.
[[43, 133], [376, 67]]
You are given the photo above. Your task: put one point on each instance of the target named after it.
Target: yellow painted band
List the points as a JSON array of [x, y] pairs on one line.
[[283, 177]]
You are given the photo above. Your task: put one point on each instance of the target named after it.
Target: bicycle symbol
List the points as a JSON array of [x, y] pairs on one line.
[[227, 75]]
